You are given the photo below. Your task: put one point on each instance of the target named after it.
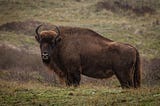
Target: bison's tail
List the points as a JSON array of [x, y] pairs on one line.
[[137, 71]]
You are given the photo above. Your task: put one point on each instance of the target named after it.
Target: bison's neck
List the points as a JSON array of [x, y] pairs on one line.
[[55, 59]]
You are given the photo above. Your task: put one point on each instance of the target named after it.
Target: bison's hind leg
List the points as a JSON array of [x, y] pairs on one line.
[[125, 78]]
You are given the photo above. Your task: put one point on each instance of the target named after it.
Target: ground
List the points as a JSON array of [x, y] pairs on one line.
[[46, 95]]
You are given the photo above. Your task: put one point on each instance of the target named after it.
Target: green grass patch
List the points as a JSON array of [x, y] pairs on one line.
[[17, 39], [14, 93]]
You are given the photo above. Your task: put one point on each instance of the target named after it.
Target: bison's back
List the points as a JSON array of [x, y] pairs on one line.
[[81, 32]]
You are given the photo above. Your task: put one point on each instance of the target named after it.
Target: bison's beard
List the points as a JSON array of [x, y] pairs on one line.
[[46, 61]]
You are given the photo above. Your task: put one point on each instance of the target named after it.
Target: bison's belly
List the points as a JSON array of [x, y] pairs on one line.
[[98, 73]]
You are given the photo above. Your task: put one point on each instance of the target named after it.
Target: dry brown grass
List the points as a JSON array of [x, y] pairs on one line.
[[20, 65], [124, 6]]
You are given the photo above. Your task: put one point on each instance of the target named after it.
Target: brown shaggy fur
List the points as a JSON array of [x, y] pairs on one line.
[[48, 34], [83, 51]]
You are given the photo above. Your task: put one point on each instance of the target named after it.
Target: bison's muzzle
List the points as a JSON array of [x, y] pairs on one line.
[[45, 57]]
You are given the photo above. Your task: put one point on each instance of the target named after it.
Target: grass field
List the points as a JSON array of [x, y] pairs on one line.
[[37, 94], [142, 31]]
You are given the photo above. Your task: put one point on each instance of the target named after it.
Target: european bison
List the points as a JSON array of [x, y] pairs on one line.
[[71, 51]]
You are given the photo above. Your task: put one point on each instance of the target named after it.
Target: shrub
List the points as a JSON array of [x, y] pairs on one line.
[[138, 7], [18, 64]]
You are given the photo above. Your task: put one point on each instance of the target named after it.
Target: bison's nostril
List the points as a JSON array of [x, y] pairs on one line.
[[45, 53], [45, 57]]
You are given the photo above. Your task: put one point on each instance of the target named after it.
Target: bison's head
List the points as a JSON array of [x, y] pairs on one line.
[[48, 41]]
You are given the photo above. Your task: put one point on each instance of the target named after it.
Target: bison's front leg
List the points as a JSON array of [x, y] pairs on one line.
[[73, 78], [72, 68]]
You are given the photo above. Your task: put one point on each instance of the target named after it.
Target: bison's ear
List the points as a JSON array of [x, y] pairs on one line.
[[38, 40]]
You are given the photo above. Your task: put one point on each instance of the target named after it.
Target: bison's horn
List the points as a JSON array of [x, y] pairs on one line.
[[58, 31], [37, 31]]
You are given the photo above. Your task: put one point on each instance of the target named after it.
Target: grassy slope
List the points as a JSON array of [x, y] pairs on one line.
[[85, 95], [114, 26]]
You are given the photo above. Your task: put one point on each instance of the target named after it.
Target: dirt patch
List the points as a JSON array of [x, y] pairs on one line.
[[27, 27], [116, 6], [143, 10], [105, 5]]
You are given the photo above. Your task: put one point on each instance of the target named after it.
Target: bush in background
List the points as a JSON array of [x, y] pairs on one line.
[[139, 7], [17, 64]]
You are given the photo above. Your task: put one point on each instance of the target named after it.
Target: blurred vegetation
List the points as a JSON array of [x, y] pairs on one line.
[[17, 40]]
